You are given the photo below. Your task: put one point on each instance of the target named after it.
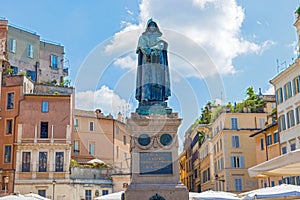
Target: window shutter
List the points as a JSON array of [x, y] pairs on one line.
[[242, 162]]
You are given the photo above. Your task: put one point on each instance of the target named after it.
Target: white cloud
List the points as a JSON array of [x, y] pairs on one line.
[[104, 99], [126, 62], [214, 25], [270, 90]]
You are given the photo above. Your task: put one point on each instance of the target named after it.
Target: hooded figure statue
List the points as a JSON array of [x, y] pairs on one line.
[[153, 78]]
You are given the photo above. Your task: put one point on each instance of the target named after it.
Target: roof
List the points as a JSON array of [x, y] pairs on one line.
[[263, 130]]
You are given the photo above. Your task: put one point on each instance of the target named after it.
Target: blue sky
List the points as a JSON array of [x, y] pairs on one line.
[[218, 48]]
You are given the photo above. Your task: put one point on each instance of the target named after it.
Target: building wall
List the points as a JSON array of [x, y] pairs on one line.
[[112, 142], [58, 141], [247, 123], [288, 104], [10, 85], [45, 71]]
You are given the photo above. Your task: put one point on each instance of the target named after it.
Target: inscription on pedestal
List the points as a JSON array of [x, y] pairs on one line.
[[152, 163]]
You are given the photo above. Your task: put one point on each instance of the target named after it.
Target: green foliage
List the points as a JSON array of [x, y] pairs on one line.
[[74, 163], [298, 10], [205, 117], [22, 73], [9, 71], [54, 81], [201, 138], [253, 102]]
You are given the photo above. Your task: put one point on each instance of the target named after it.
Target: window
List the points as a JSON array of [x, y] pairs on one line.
[[234, 123], [42, 161], [283, 150], [59, 161], [44, 129], [262, 144], [91, 126], [272, 183], [15, 70], [31, 74], [293, 146], [269, 140], [76, 124], [104, 192], [238, 185], [29, 51], [221, 163], [45, 106], [12, 45], [118, 151], [9, 126], [235, 141], [7, 153], [290, 119], [276, 139], [91, 149], [117, 130], [297, 113], [261, 122], [42, 193], [26, 161], [237, 161], [10, 101], [53, 61], [76, 147], [296, 84], [287, 90], [279, 97], [88, 194], [281, 123], [124, 139]]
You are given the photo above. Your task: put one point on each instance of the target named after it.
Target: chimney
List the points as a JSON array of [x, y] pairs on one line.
[[99, 113], [120, 117]]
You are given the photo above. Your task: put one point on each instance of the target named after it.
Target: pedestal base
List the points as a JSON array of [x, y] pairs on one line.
[[153, 107], [146, 191]]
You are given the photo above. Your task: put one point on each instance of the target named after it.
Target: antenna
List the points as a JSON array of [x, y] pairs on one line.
[[280, 66]]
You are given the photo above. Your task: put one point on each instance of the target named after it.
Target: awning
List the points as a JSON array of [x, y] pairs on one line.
[[284, 165]]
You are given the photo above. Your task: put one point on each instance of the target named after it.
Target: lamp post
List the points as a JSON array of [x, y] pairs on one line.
[[53, 188], [6, 180]]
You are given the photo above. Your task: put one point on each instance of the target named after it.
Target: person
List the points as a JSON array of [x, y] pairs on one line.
[[153, 78]]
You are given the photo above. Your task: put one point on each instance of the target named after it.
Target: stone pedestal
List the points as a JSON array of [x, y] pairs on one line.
[[154, 158]]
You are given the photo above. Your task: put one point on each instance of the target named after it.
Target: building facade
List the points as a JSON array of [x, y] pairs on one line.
[[42, 61], [267, 148], [99, 136]]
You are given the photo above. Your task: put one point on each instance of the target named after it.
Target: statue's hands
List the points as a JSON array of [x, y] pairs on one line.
[[147, 51]]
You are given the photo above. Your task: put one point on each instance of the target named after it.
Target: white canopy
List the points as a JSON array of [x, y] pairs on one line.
[[279, 191], [30, 196], [96, 160], [284, 165], [209, 195]]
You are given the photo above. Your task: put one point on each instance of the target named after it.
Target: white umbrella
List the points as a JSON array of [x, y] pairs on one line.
[[35, 196], [216, 195], [30, 196], [112, 196], [96, 160], [279, 191]]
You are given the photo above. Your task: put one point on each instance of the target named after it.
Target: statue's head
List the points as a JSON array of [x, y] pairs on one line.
[[152, 26]]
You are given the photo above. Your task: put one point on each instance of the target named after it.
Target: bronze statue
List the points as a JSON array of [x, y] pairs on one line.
[[153, 78]]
